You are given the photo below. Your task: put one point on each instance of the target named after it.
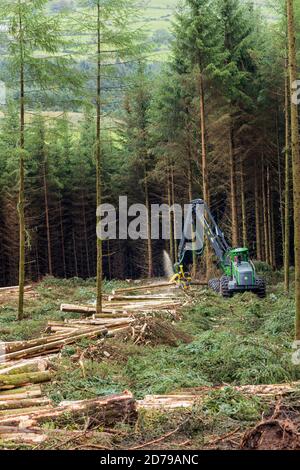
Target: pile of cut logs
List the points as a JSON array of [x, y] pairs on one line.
[[8, 293], [188, 397], [120, 303], [23, 407], [47, 344], [77, 328]]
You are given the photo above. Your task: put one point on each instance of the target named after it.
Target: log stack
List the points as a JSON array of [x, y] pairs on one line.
[[126, 305], [23, 424], [186, 398], [12, 292], [48, 344]]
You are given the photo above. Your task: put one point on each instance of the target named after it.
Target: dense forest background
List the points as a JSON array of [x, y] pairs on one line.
[[180, 118]]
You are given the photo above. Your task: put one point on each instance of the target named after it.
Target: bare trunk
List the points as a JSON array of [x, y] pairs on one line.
[[287, 187], [190, 198], [173, 218], [269, 210], [295, 157], [21, 201], [205, 179], [75, 253], [234, 216], [98, 167], [265, 213], [47, 214], [257, 217], [149, 242], [171, 245], [86, 242], [280, 185], [243, 203], [62, 239]]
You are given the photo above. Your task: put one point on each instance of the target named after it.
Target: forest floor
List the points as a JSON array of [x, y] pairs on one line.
[[243, 340]]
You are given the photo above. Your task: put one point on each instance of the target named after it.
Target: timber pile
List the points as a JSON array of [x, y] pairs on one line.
[[75, 327], [118, 303], [188, 397], [144, 330], [48, 344], [106, 410], [8, 293], [22, 373]]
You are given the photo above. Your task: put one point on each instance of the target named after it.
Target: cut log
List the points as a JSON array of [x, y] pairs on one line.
[[30, 365], [21, 393], [103, 410], [23, 403], [18, 380], [22, 436], [157, 285], [14, 288], [187, 397], [146, 297]]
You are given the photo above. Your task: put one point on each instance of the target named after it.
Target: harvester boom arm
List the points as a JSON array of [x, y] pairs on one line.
[[210, 229]]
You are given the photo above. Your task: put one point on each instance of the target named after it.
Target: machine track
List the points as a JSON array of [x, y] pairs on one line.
[[224, 290], [261, 283], [214, 284]]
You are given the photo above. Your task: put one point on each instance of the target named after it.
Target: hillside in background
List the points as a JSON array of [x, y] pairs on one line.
[[156, 18]]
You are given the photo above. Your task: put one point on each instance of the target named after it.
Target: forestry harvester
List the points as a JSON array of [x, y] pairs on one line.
[[238, 270]]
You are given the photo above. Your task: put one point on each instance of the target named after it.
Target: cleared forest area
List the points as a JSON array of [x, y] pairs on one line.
[[202, 373]]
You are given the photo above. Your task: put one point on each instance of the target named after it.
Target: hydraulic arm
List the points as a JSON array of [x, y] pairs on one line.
[[238, 270]]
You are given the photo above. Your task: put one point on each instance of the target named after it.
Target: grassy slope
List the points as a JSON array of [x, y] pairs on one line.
[[238, 341]]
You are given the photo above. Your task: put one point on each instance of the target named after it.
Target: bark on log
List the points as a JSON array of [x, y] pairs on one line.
[[21, 393], [30, 365], [55, 344], [23, 403], [18, 380], [13, 288], [187, 397], [144, 287]]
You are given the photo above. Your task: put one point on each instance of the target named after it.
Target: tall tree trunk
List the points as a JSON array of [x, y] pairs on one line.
[[75, 253], [47, 214], [190, 198], [171, 241], [295, 157], [98, 167], [205, 179], [108, 260], [287, 187], [243, 203], [149, 241], [62, 239], [21, 201], [174, 215], [269, 204], [86, 242], [234, 216], [265, 213], [280, 185], [257, 217]]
